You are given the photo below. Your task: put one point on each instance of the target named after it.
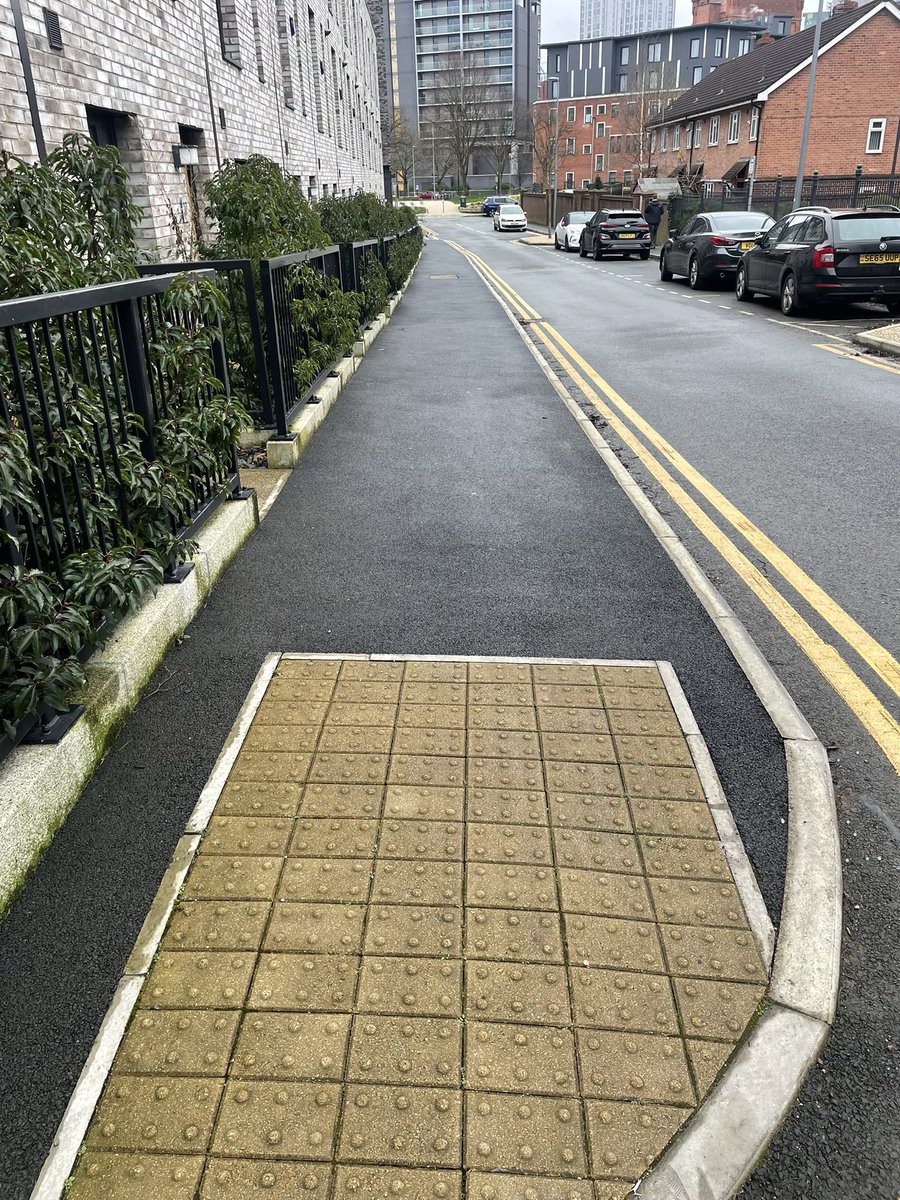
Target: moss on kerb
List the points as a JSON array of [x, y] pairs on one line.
[[112, 692]]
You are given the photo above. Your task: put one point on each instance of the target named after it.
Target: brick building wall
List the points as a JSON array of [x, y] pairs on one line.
[[791, 11], [717, 141], [856, 80], [613, 132], [295, 82]]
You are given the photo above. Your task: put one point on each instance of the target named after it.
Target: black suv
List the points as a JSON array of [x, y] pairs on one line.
[[816, 255], [616, 231]]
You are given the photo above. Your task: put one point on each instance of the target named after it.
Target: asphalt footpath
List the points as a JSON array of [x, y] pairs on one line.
[[449, 505]]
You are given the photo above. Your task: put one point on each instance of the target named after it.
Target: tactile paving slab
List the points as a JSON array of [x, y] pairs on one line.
[[455, 928]]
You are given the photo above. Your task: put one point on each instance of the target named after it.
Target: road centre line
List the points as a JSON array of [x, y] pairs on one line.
[[879, 659], [870, 362], [880, 723]]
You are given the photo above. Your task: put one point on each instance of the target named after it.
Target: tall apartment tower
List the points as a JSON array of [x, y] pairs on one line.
[[418, 40], [617, 18]]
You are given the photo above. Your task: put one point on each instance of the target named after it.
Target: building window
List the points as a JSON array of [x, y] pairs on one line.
[[875, 139], [598, 162], [665, 138], [782, 28], [626, 176], [570, 181], [558, 63], [676, 137], [588, 114], [615, 144], [570, 145], [631, 108], [257, 42], [653, 80], [689, 137], [612, 176], [601, 129], [698, 133], [698, 75], [719, 47], [601, 110], [744, 46], [754, 124], [625, 56], [585, 184], [570, 113], [654, 108], [103, 125], [734, 126], [653, 141], [654, 52], [614, 110], [623, 82], [586, 148], [713, 136], [695, 48], [226, 14]]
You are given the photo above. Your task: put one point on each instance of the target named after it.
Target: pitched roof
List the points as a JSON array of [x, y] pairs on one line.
[[743, 79]]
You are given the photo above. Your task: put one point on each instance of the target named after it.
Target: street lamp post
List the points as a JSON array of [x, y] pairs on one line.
[[554, 179], [807, 116]]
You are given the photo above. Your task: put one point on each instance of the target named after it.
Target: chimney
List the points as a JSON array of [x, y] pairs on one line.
[[843, 6], [764, 39]]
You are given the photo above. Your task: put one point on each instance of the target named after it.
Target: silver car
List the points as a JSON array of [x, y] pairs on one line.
[[510, 216]]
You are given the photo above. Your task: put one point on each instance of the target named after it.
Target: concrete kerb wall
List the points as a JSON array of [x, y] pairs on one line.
[[40, 784], [284, 455], [718, 1148]]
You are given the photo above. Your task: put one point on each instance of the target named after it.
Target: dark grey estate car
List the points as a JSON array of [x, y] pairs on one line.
[[710, 246], [820, 255], [616, 231]]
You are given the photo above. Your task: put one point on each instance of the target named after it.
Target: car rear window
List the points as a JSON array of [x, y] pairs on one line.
[[579, 218], [625, 216], [740, 220], [511, 210], [869, 228]]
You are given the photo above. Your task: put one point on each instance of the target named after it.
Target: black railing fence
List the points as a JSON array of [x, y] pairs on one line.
[[776, 196], [355, 257], [242, 328], [81, 373]]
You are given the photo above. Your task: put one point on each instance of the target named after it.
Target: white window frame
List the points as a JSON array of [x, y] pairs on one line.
[[689, 136], [569, 184], [598, 162], [601, 129], [570, 145], [652, 141], [613, 177], [754, 124], [585, 184], [719, 47], [712, 138], [587, 148], [570, 113], [654, 52], [601, 110], [625, 56], [743, 46], [877, 129], [676, 138], [734, 126], [589, 114], [697, 75], [694, 53], [628, 175], [664, 141]]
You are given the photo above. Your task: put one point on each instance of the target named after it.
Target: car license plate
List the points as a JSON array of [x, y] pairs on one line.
[[747, 245], [631, 235], [879, 258]]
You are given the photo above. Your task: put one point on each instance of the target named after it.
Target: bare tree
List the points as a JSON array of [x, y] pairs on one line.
[[437, 154], [651, 87], [549, 134], [466, 106], [403, 149], [505, 134]]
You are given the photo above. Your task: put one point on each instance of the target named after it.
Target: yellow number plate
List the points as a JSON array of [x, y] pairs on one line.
[[747, 245], [879, 258], [623, 235]]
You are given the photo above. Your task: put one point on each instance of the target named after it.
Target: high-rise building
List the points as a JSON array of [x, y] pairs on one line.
[[616, 18], [422, 42]]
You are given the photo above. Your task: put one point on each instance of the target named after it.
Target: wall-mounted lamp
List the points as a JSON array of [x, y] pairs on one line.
[[185, 156]]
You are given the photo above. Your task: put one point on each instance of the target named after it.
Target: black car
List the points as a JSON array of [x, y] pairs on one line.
[[816, 255], [491, 204], [616, 231], [710, 246]]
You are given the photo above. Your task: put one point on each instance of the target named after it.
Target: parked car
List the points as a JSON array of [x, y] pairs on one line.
[[568, 232], [710, 246], [510, 216], [490, 205], [615, 231], [816, 255]]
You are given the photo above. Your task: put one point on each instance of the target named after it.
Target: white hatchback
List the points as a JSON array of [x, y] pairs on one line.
[[568, 232], [510, 216]]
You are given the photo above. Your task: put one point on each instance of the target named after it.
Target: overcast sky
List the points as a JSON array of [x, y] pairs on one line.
[[561, 19]]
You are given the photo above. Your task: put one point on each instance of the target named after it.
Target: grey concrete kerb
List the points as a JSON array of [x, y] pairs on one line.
[[886, 340], [717, 1150]]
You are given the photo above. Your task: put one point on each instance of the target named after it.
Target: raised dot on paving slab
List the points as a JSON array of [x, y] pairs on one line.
[[277, 1119], [216, 925], [524, 1133], [304, 982], [316, 928], [291, 1045], [711, 1009], [410, 986], [100, 1175], [520, 1058], [246, 1178], [513, 935], [634, 1066], [179, 1042], [501, 991], [424, 1051], [198, 979], [155, 1114], [498, 1186], [626, 1000], [407, 1126], [626, 1138], [388, 1183]]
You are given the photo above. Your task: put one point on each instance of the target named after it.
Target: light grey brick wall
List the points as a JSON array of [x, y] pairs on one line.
[[144, 63]]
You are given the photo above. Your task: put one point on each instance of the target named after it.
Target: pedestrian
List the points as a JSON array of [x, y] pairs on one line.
[[653, 215]]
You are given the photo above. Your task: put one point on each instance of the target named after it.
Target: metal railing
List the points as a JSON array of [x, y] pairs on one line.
[[776, 196], [286, 342], [354, 258], [242, 329]]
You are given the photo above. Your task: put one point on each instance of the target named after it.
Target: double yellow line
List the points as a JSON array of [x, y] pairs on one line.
[[878, 721]]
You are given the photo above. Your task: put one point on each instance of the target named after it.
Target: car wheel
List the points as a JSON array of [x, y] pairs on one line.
[[787, 294], [664, 273], [556, 245], [645, 254], [695, 279], [598, 253], [582, 249], [741, 289], [567, 245]]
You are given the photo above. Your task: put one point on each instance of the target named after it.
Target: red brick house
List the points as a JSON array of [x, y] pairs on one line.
[[753, 107]]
